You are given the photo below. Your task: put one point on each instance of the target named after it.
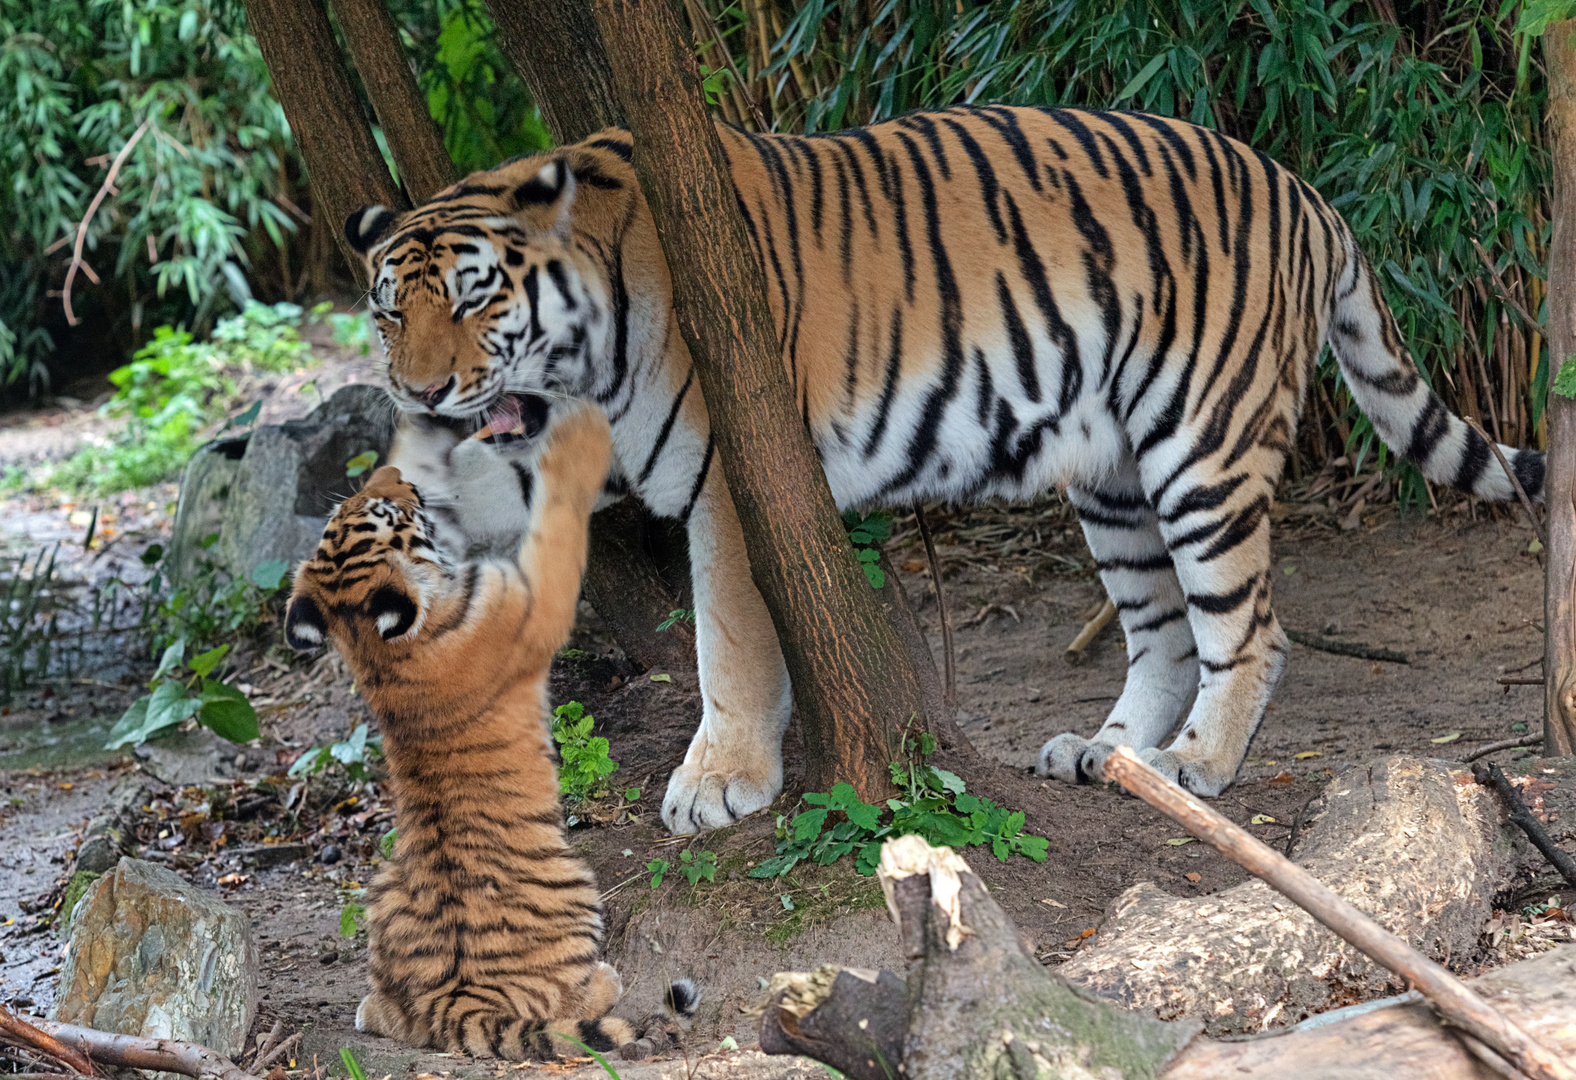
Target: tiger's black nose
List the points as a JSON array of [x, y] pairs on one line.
[[435, 393]]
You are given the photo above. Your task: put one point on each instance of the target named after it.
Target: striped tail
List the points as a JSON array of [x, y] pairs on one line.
[[1408, 416]]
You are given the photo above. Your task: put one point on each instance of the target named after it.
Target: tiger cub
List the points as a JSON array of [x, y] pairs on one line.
[[485, 928]]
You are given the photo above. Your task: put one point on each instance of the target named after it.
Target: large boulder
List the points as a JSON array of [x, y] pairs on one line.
[[268, 494], [155, 956]]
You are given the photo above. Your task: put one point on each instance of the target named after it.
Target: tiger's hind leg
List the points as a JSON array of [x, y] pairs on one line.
[[1162, 663], [1217, 529]]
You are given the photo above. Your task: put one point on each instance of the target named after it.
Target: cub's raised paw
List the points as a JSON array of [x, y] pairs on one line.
[[1073, 759], [1197, 775], [576, 449], [698, 799]]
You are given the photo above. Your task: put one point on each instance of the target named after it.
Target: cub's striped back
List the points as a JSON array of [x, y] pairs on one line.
[[485, 927], [973, 303]]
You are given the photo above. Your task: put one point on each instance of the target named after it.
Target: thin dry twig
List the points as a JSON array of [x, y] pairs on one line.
[[276, 1053], [1457, 1003], [26, 1033], [1521, 492], [1505, 295], [1513, 743], [1346, 648], [106, 188], [1490, 776], [949, 660]]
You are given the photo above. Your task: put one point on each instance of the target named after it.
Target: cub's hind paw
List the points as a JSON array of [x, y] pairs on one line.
[[698, 800]]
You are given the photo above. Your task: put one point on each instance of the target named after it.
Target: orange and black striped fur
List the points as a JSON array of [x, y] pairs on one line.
[[975, 303], [485, 928]]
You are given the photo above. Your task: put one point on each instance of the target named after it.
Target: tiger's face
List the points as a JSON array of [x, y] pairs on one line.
[[374, 575], [482, 295]]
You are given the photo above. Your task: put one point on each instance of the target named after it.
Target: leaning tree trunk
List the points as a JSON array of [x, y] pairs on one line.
[[310, 80], [577, 99], [415, 142], [1559, 595], [854, 682]]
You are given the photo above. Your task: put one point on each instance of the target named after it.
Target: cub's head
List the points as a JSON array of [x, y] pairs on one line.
[[491, 288], [374, 575]]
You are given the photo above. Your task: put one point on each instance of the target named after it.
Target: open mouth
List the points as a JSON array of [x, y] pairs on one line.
[[513, 417]]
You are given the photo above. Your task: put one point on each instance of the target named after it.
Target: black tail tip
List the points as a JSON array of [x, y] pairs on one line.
[[682, 998], [1528, 467]]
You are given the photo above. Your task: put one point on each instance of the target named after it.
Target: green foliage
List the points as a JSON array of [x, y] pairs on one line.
[[201, 189], [658, 867], [386, 843], [172, 700], [174, 388], [696, 866], [352, 1066], [355, 754], [935, 805], [677, 615], [1565, 379], [361, 463], [27, 626], [208, 607], [350, 917], [585, 765], [867, 534]]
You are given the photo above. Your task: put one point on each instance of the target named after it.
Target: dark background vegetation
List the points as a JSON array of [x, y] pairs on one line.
[[1422, 122]]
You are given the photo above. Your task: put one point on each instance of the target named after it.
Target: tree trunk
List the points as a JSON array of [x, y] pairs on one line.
[[576, 95], [1559, 594], [854, 683], [342, 159], [414, 139]]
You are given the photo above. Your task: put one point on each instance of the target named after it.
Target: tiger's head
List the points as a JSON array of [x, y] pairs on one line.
[[375, 576], [487, 292]]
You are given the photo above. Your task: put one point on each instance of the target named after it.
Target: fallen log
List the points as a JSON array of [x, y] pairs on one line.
[[1417, 846], [1456, 1004], [140, 1052], [975, 1005]]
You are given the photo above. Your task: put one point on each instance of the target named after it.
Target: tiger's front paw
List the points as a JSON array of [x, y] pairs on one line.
[[701, 798], [1073, 759], [1201, 776]]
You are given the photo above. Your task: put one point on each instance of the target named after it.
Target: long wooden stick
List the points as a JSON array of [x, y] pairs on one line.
[[1490, 776], [137, 1052], [1453, 1000], [1102, 619], [25, 1032]]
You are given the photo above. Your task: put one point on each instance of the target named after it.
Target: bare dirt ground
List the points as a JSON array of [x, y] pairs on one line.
[[1456, 591]]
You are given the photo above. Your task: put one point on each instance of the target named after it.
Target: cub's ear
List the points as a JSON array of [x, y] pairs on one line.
[[364, 227], [392, 610], [305, 629], [545, 199]]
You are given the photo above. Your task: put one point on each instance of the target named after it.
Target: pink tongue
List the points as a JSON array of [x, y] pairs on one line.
[[505, 417]]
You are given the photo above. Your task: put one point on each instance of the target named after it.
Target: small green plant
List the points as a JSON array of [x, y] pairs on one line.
[[208, 606], [26, 627], [1565, 379], [350, 919], [353, 332], [352, 1066], [697, 865], [173, 699], [677, 615], [585, 765], [354, 753], [657, 868], [386, 843], [361, 463], [867, 534], [935, 805]]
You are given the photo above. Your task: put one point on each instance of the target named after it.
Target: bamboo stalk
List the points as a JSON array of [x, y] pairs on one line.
[[1456, 1003]]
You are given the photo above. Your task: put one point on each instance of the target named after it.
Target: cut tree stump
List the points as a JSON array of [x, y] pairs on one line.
[[1415, 845]]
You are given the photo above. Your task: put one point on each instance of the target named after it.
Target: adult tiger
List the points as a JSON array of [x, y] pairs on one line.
[[971, 303]]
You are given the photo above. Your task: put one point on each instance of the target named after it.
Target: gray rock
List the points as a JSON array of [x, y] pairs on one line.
[[269, 494], [152, 955], [183, 758], [98, 854]]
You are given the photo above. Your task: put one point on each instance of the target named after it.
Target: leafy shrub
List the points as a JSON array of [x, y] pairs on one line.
[[936, 805], [355, 754], [174, 388], [585, 765]]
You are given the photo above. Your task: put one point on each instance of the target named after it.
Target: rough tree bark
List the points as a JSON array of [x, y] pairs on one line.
[[1559, 595], [854, 682], [577, 98], [414, 139], [342, 159], [976, 1006]]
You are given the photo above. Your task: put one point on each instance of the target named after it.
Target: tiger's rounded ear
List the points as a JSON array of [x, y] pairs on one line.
[[545, 199], [392, 611], [364, 227], [305, 629]]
